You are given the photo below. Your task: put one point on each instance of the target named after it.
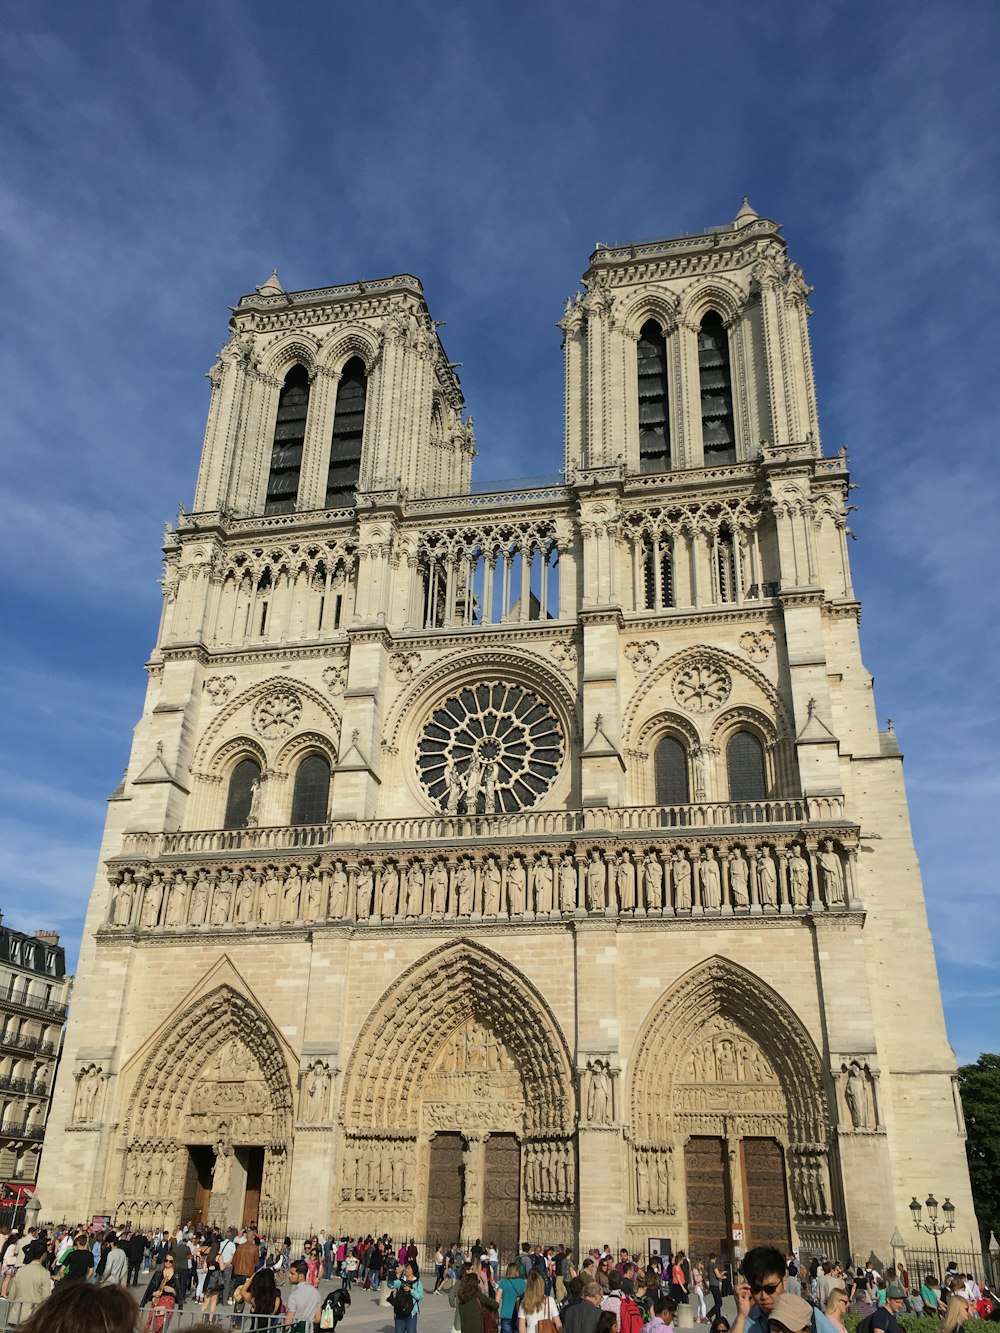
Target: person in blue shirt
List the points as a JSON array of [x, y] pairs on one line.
[[409, 1285], [764, 1272]]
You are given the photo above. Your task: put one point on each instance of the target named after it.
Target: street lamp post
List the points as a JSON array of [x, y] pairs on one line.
[[934, 1227]]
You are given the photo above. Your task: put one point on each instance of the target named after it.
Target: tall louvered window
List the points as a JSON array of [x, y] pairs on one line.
[[289, 433], [725, 554], [670, 765], [718, 432], [658, 573], [745, 765], [311, 797], [654, 417], [348, 429], [246, 772]]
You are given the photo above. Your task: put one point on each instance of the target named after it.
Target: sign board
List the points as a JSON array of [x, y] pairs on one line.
[[661, 1245], [737, 1235], [99, 1221]]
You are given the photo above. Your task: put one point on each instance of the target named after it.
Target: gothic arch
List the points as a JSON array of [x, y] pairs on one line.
[[714, 293], [423, 1007], [164, 1081], [205, 753], [651, 304], [718, 987], [342, 344], [285, 351]]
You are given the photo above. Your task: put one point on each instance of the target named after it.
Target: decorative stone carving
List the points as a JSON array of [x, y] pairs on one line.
[[89, 1085], [702, 685], [491, 747], [335, 677], [404, 665], [767, 878], [654, 1187], [598, 1093], [565, 656], [757, 644], [798, 877], [219, 688], [123, 904], [277, 714], [314, 1093], [643, 654], [858, 1084], [830, 874]]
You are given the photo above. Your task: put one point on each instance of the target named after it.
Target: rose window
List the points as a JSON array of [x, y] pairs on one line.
[[277, 714], [702, 686], [491, 748]]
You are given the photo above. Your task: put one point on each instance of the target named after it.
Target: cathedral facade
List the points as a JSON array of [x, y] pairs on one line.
[[514, 862]]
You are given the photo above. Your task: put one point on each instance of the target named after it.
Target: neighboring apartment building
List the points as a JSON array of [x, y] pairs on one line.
[[34, 996]]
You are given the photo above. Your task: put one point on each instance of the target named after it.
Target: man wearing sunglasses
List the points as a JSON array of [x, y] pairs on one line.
[[764, 1271]]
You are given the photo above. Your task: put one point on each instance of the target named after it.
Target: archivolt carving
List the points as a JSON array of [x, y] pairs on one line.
[[665, 724], [342, 344], [733, 718], [301, 744], [714, 293], [405, 1032], [721, 1015], [247, 699], [650, 304], [241, 747], [298, 346]]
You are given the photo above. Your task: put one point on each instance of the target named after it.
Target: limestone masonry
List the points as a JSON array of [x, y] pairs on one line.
[[524, 862]]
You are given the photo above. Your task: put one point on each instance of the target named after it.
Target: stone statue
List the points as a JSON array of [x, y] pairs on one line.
[[290, 904], [641, 1183], [856, 1094], [465, 883], [767, 878], [151, 901], [652, 881], [542, 877], [338, 891], [597, 879], [711, 886], [313, 909], [662, 1183], [415, 889], [366, 890], [222, 901], [124, 900], [491, 887], [599, 1094], [439, 890], [453, 787], [269, 906], [473, 783], [490, 774], [516, 886], [699, 759], [681, 869], [625, 883], [174, 914], [798, 877], [568, 885], [254, 812], [739, 879], [88, 1092], [388, 895], [244, 899], [830, 879], [314, 1089]]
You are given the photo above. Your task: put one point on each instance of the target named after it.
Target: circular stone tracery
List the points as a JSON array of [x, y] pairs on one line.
[[493, 747], [702, 686]]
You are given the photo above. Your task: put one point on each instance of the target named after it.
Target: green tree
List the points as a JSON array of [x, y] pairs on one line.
[[980, 1088]]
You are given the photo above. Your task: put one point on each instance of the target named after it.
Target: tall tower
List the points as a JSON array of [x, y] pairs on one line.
[[524, 862]]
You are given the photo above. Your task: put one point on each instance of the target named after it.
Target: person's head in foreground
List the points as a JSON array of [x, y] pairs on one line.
[[790, 1314], [79, 1307], [764, 1272]]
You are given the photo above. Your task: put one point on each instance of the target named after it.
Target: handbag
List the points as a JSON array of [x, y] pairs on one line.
[[546, 1325], [491, 1320]]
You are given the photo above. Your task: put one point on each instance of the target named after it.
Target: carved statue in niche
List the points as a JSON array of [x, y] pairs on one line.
[[124, 900], [600, 1108], [739, 879], [315, 1094], [491, 887], [385, 1176], [439, 890], [625, 883], [223, 1167], [245, 898], [597, 879], [542, 885], [652, 881], [568, 885], [830, 874], [516, 886], [254, 812], [465, 886], [175, 894], [366, 890], [291, 894], [767, 878], [269, 908], [490, 773], [222, 900], [641, 1182], [388, 890], [338, 891], [798, 876], [700, 761], [313, 895], [664, 1163], [415, 889], [453, 783], [681, 870], [88, 1093], [856, 1094], [151, 901], [473, 782], [711, 884]]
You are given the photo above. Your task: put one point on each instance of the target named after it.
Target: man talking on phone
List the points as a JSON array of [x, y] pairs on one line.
[[763, 1281]]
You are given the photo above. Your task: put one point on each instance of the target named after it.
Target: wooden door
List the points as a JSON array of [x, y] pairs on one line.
[[444, 1190], [709, 1206], [765, 1193], [502, 1194]]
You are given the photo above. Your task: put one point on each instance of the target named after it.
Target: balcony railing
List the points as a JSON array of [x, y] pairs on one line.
[[703, 817], [17, 1129], [17, 1043], [24, 1000], [25, 1085]]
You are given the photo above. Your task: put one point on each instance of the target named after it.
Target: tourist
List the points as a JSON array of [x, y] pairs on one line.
[[439, 1269], [678, 1279], [214, 1286], [606, 1322], [511, 1289], [405, 1296], [349, 1269], [663, 1316], [698, 1287], [115, 1271], [930, 1294], [960, 1308], [303, 1299], [164, 1299], [32, 1281], [135, 1251], [764, 1272], [81, 1307], [836, 1308], [613, 1300], [261, 1297], [886, 1316], [78, 1264], [470, 1302], [716, 1275], [720, 1325], [584, 1316], [9, 1262], [536, 1305], [790, 1314]]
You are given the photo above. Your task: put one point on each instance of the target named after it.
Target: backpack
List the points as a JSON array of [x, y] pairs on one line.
[[522, 1267], [629, 1316], [402, 1302]]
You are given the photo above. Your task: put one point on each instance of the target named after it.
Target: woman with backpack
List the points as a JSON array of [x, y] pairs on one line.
[[405, 1297], [471, 1302], [510, 1291]]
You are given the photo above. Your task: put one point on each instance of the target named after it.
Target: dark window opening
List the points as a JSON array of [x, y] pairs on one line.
[[654, 414], [745, 766], [671, 770], [718, 430], [348, 430], [289, 434], [245, 774], [311, 797]]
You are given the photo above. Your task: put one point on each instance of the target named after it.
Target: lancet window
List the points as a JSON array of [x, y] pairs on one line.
[[718, 430], [745, 767], [726, 556], [241, 793], [654, 407], [348, 431], [657, 579], [311, 795], [498, 576], [670, 768], [289, 434]]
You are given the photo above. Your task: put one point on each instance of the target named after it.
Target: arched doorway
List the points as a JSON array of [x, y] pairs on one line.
[[459, 1107], [209, 1122], [730, 1125]]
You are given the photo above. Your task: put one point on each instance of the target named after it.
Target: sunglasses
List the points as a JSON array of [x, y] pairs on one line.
[[769, 1288]]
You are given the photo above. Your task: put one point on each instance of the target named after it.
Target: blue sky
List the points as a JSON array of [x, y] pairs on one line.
[[157, 161]]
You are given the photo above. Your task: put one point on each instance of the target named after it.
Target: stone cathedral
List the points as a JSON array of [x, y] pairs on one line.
[[512, 861]]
